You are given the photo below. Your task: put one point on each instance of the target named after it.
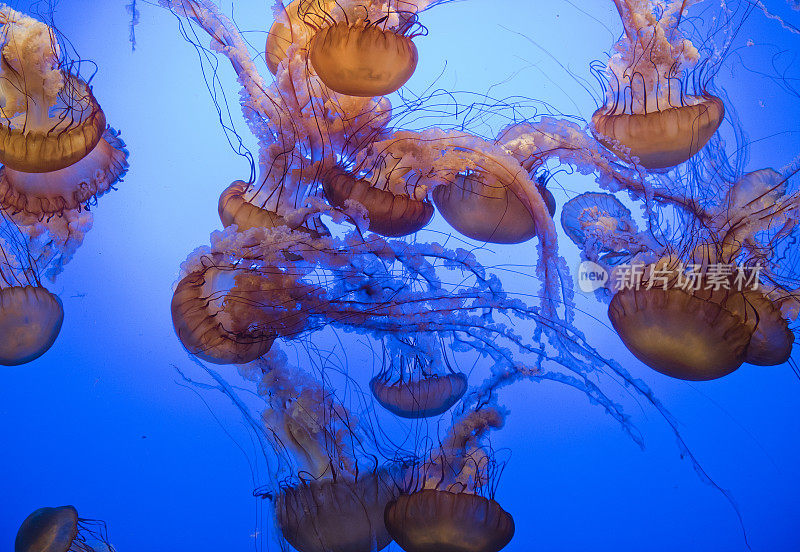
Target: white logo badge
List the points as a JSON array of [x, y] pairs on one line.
[[591, 276]]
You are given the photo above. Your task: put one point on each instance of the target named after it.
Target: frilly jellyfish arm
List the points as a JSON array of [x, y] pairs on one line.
[[534, 143], [461, 464], [436, 157], [29, 68], [650, 49]]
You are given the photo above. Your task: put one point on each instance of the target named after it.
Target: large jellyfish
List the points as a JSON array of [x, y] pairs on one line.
[[56, 150], [650, 113], [61, 530], [365, 50], [700, 307]]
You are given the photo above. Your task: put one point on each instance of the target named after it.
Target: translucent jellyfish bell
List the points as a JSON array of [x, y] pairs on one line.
[[592, 209], [216, 317], [440, 521], [61, 530], [409, 388], [361, 59], [30, 321], [480, 206], [660, 139], [336, 515], [390, 214], [48, 530]]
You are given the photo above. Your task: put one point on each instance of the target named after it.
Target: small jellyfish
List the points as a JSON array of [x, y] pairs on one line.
[[480, 206], [61, 530], [30, 321], [411, 388], [649, 112], [338, 515], [390, 214], [437, 521], [363, 59]]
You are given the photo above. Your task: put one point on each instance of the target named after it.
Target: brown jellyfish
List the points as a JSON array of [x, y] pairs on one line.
[[361, 59], [54, 144], [480, 206], [336, 515], [655, 109], [390, 214], [408, 387], [419, 398], [30, 321], [440, 521], [234, 209], [230, 315], [60, 530], [659, 138], [772, 341], [680, 334], [48, 193]]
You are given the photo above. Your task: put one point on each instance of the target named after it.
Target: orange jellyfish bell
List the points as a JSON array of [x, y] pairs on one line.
[[425, 397], [772, 341], [660, 139], [30, 321], [214, 317], [234, 209], [390, 214], [54, 143], [53, 192], [480, 206], [680, 334], [360, 59], [336, 515], [440, 521]]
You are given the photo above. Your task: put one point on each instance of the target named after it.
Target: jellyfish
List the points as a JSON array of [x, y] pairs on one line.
[[327, 503], [61, 530], [702, 304], [481, 207], [56, 150], [604, 229], [227, 313], [410, 386], [444, 509], [365, 58], [31, 252], [649, 114], [30, 321], [390, 214]]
